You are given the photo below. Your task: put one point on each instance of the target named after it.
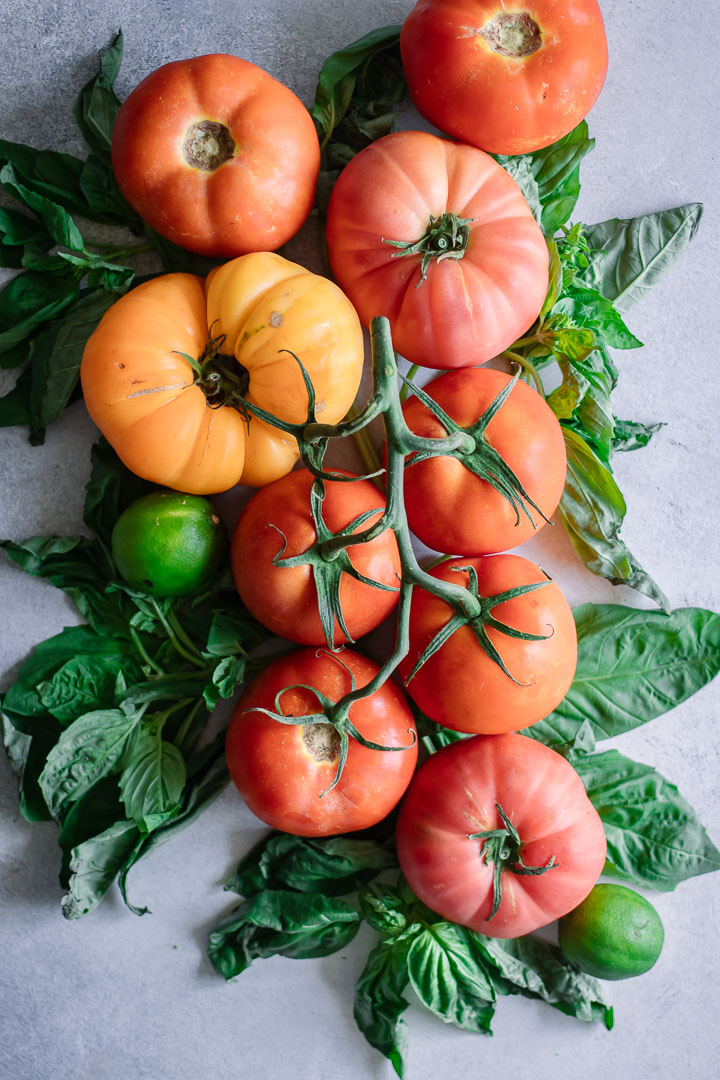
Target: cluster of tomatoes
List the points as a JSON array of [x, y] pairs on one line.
[[183, 376]]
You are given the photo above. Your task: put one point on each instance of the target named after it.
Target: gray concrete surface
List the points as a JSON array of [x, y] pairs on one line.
[[114, 997]]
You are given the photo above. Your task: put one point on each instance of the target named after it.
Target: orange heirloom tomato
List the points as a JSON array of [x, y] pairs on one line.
[[507, 78], [174, 423], [217, 156], [439, 238]]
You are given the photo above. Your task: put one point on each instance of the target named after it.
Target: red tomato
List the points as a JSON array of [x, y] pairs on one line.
[[283, 771], [451, 508], [460, 686], [456, 794], [507, 81], [217, 156], [490, 280], [285, 599]]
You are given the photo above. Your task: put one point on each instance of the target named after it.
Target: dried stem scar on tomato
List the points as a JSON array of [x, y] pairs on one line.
[[217, 156]]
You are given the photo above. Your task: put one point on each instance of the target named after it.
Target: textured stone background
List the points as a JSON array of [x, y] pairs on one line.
[[114, 997]]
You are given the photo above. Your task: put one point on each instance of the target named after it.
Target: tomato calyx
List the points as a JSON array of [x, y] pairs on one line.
[[208, 145], [502, 847], [221, 378], [446, 237], [335, 715], [329, 562], [479, 623], [512, 33], [479, 456]]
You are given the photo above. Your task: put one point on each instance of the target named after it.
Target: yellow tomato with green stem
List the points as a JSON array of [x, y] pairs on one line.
[[168, 370]]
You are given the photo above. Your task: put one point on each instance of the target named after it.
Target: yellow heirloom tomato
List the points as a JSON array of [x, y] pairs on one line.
[[167, 371]]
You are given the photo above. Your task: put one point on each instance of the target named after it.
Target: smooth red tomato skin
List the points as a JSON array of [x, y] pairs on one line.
[[467, 310], [504, 104], [257, 199], [285, 598], [450, 508], [281, 781], [459, 686], [455, 792]]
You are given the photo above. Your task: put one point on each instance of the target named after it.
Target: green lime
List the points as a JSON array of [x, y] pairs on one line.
[[613, 934], [168, 544]]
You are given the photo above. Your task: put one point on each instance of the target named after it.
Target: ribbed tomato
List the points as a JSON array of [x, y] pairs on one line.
[[507, 78], [284, 772], [439, 238], [217, 156], [179, 426], [544, 845], [278, 523], [452, 509]]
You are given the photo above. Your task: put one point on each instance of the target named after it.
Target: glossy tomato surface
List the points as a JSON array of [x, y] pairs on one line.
[[452, 509], [506, 78], [278, 523], [146, 398], [456, 793], [467, 309], [460, 686], [282, 770], [217, 156]]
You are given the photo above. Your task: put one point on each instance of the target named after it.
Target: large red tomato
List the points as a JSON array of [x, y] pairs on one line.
[[508, 81], [439, 238], [217, 156], [460, 686], [449, 507], [284, 772], [534, 803], [278, 523]]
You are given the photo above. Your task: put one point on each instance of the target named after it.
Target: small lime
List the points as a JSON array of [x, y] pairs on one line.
[[168, 543], [613, 934]]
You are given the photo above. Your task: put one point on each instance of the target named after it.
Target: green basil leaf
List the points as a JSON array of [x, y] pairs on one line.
[[110, 490], [450, 979], [592, 509], [56, 219], [15, 405], [176, 260], [20, 234], [632, 435], [654, 837], [589, 308], [520, 168], [56, 355], [631, 254], [103, 196], [279, 923], [94, 865], [27, 755], [535, 969], [97, 105], [334, 865], [29, 300], [379, 1001], [152, 780], [87, 683], [233, 631], [85, 752], [632, 666], [227, 675]]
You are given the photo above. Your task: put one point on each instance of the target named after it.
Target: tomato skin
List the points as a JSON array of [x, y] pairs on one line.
[[141, 392], [281, 781], [467, 310], [258, 198], [450, 508], [455, 792], [285, 598], [504, 104], [459, 686]]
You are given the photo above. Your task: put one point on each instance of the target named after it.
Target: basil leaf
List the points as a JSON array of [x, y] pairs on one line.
[[85, 752], [15, 405], [20, 234], [280, 923], [152, 780], [56, 219], [334, 865], [228, 674], [29, 300], [94, 865], [103, 196], [632, 435], [379, 1001], [87, 683], [229, 628], [56, 355], [110, 490], [449, 978], [97, 105], [654, 837], [589, 308], [27, 755], [632, 666], [535, 969], [521, 171], [631, 254], [592, 509], [176, 259]]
